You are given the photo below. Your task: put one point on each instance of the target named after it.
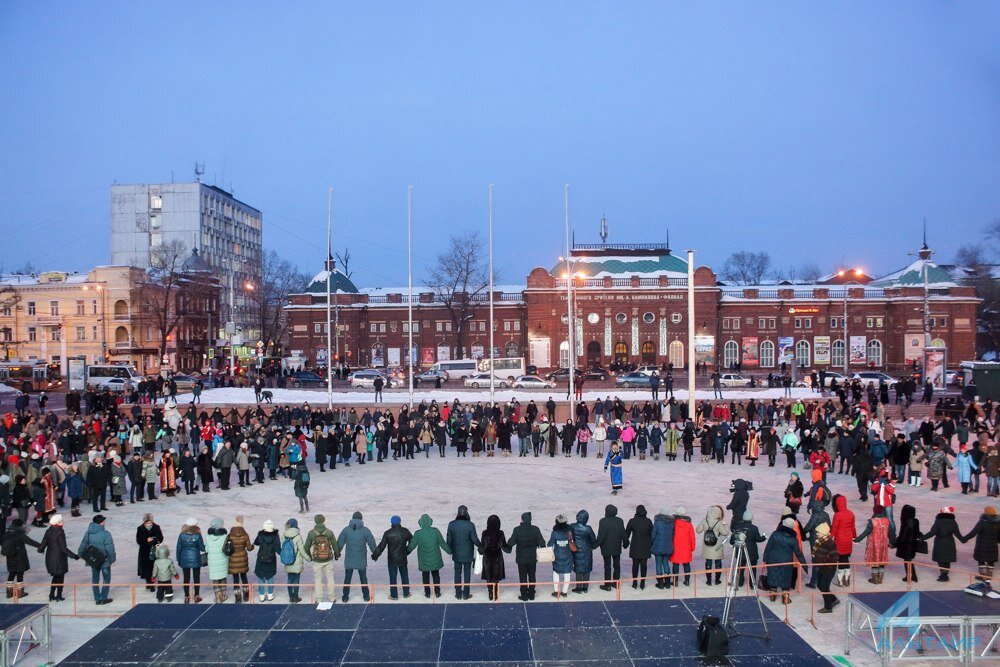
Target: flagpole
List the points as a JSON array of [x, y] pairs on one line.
[[492, 370], [329, 270], [571, 357], [409, 284]]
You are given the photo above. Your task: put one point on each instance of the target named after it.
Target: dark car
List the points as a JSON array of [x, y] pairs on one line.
[[634, 379], [430, 377], [561, 375], [307, 379]]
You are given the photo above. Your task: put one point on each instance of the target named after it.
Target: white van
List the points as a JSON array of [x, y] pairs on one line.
[[458, 369], [98, 376]]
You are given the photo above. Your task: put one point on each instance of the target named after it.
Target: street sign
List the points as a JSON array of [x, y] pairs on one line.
[[260, 343]]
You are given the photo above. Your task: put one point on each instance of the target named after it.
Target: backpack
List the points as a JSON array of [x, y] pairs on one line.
[[321, 549], [713, 640], [304, 479], [711, 539], [287, 552], [266, 553]]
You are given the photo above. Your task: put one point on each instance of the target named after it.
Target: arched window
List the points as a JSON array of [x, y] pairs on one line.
[[838, 354], [564, 354], [938, 342], [511, 349], [121, 309], [121, 335], [593, 354], [648, 353], [730, 353], [621, 352], [676, 351], [767, 354], [874, 352], [802, 353]]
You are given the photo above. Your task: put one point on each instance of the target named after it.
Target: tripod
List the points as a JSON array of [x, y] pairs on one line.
[[741, 558]]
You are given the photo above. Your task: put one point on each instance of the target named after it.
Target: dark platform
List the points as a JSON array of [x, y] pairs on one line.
[[12, 615], [935, 603], [641, 633]]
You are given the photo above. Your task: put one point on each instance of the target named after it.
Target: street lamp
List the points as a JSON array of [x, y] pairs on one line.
[[100, 288], [846, 273]]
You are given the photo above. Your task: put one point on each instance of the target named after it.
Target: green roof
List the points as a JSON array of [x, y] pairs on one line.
[[338, 283], [594, 266], [913, 276]]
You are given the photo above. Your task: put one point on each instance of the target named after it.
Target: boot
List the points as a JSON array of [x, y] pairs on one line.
[[75, 511], [19, 592], [238, 597], [718, 578], [10, 590]]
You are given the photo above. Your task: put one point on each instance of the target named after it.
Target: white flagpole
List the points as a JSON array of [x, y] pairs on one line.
[[329, 270], [409, 284], [571, 358], [492, 370]]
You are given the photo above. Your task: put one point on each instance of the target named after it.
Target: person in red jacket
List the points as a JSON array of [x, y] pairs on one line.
[[884, 495], [684, 545], [843, 532], [820, 460]]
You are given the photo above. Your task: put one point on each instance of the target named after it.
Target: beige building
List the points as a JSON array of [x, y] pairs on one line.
[[55, 315]]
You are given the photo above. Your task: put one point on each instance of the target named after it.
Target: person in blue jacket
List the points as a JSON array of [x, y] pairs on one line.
[[563, 563], [614, 461], [663, 546], [462, 540], [584, 540], [190, 545]]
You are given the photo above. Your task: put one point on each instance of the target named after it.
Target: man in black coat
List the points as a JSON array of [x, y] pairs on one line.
[[524, 542], [611, 539], [397, 541], [97, 481], [752, 537]]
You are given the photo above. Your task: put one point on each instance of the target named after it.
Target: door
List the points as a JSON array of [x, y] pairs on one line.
[[593, 354], [538, 350]]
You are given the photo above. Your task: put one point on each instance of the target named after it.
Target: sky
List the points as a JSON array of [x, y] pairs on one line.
[[820, 133]]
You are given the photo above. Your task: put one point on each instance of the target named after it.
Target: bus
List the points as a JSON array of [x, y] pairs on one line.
[[99, 375], [456, 369], [507, 367], [29, 376]]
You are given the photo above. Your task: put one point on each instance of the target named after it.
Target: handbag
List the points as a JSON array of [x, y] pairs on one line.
[[477, 564], [545, 554], [204, 559], [572, 543], [93, 556]]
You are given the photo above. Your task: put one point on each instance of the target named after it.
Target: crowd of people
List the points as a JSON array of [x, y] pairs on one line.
[[139, 455]]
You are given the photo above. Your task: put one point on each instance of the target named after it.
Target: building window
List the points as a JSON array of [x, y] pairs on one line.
[[318, 327], [93, 332], [506, 325], [54, 307], [517, 325], [772, 323], [155, 202], [938, 342], [940, 322], [482, 326], [32, 334], [373, 327], [406, 327], [55, 334], [875, 352], [447, 327], [874, 322], [439, 327], [511, 349], [676, 353], [761, 322], [31, 308], [416, 327], [675, 318], [621, 318], [730, 323], [381, 327], [81, 308], [730, 354], [392, 327], [767, 354], [802, 353], [648, 318], [803, 323], [81, 333], [93, 306], [5, 311], [838, 354], [834, 322], [6, 335]]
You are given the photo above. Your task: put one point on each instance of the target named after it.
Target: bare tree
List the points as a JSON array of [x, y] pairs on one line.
[[809, 272], [160, 292], [746, 268], [459, 277], [279, 278], [974, 260], [344, 260]]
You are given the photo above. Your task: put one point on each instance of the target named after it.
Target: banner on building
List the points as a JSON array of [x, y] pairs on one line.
[[478, 350], [406, 356], [393, 354], [913, 347], [859, 350], [786, 350], [750, 354], [704, 349], [821, 350], [77, 371], [427, 356], [443, 353], [935, 363], [378, 355]]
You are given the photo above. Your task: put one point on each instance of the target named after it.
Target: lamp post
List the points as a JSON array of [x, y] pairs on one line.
[[690, 318], [571, 352], [329, 270], [409, 287], [847, 341], [492, 370]]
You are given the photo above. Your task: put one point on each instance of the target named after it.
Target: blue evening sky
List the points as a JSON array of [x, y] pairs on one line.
[[820, 132]]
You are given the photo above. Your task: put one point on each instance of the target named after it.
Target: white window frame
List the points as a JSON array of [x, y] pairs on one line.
[[803, 361], [875, 352], [838, 353], [766, 354]]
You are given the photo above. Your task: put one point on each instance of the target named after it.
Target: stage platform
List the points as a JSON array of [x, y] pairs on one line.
[[952, 626], [25, 630], [617, 634]]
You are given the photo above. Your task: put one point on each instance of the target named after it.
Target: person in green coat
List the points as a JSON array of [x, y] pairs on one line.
[[428, 543], [218, 561]]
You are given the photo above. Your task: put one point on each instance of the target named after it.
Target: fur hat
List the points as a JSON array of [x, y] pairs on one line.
[[216, 524], [268, 525], [823, 529], [191, 522], [788, 523], [748, 516], [680, 510]]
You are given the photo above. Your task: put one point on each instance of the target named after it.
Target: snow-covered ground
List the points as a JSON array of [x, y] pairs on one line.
[[506, 487], [227, 396]]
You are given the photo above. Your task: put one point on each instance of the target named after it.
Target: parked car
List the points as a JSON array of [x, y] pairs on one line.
[[477, 380], [876, 377], [115, 385], [185, 382], [648, 370], [302, 379], [952, 378], [633, 379], [562, 374], [533, 382], [430, 377], [366, 378], [830, 377], [733, 380]]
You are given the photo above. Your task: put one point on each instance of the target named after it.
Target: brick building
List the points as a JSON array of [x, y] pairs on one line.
[[630, 305]]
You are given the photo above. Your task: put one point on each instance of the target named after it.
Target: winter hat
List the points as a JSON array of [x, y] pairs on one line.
[[56, 520], [191, 522], [786, 511], [748, 516], [788, 523], [4, 479], [561, 518], [990, 510], [395, 521], [215, 524], [823, 529], [357, 515], [948, 509], [268, 525], [238, 519], [664, 511], [795, 475], [292, 523], [319, 518], [680, 511]]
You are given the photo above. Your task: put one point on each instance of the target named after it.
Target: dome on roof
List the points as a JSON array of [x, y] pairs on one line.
[[338, 283], [195, 264]]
